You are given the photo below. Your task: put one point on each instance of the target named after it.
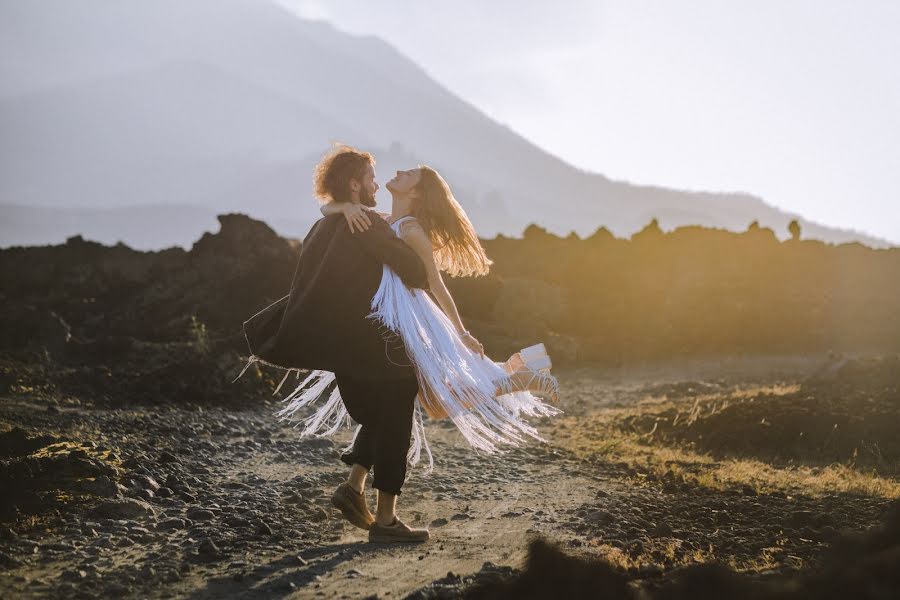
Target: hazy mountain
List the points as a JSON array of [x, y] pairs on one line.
[[225, 105]]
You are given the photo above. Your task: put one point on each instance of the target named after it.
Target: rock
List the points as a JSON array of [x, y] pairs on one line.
[[170, 524], [145, 482], [319, 514], [439, 522], [74, 574], [201, 514], [208, 548], [118, 589], [168, 457], [599, 517], [263, 529], [164, 492], [8, 562], [127, 508], [235, 521], [105, 487], [142, 494]]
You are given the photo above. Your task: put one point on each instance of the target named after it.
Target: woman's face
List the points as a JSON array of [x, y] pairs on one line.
[[404, 181]]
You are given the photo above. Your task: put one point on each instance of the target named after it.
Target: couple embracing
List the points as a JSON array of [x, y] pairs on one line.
[[368, 315]]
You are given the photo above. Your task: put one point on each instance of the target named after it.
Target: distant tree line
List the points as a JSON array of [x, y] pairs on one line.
[[691, 292]]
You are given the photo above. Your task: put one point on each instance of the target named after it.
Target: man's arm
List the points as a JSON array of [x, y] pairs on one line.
[[380, 241]]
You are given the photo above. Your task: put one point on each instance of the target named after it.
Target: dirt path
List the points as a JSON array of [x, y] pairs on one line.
[[235, 504]]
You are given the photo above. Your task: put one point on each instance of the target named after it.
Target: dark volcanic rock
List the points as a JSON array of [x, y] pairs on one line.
[[127, 508], [104, 486]]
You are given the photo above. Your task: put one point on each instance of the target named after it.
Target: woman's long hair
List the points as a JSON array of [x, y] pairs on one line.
[[458, 250]]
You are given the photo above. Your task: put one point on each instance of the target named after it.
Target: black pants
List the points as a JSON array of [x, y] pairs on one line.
[[385, 411]]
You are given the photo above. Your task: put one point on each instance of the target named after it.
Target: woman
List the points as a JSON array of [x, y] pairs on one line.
[[485, 399]]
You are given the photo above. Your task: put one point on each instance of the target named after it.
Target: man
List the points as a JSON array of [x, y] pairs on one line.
[[322, 324]]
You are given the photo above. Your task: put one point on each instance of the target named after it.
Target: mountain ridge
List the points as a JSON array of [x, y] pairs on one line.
[[255, 83]]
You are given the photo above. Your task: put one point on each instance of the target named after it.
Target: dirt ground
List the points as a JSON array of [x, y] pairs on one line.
[[200, 502]]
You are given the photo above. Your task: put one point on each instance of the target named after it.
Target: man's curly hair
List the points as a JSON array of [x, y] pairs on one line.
[[331, 177]]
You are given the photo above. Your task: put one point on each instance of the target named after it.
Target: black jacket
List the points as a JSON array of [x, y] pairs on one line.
[[321, 323]]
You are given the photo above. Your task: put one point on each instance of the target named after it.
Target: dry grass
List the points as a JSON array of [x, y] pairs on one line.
[[599, 435]]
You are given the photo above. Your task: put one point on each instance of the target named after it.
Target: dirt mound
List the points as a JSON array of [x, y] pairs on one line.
[[859, 566], [46, 473], [848, 413], [17, 442]]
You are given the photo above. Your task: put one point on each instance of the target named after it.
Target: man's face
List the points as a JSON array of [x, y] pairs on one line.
[[368, 188]]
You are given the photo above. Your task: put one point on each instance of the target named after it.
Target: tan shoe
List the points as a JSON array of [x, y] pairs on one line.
[[398, 531], [352, 505]]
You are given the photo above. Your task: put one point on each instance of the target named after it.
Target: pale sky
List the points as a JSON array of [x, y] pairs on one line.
[[796, 101]]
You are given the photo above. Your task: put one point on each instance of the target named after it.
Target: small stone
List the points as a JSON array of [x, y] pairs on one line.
[[235, 521], [105, 487], [208, 547], [146, 482], [141, 493], [170, 524], [127, 508], [201, 514], [8, 561]]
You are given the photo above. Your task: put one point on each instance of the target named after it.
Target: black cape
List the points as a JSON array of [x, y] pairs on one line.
[[321, 323]]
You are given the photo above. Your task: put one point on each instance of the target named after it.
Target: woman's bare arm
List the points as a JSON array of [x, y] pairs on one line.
[[413, 234], [354, 213]]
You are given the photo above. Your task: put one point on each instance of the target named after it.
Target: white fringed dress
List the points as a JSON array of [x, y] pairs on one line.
[[457, 382]]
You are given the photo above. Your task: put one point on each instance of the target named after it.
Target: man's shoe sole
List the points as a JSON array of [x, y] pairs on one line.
[[393, 538]]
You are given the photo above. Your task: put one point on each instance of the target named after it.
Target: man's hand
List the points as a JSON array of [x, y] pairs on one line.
[[356, 216], [472, 344]]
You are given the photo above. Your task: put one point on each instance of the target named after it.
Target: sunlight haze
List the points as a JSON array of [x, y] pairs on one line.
[[795, 102]]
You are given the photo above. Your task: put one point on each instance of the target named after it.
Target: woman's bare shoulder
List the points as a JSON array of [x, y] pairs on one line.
[[411, 226]]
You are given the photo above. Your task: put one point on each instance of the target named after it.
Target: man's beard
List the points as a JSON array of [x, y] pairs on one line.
[[366, 199]]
